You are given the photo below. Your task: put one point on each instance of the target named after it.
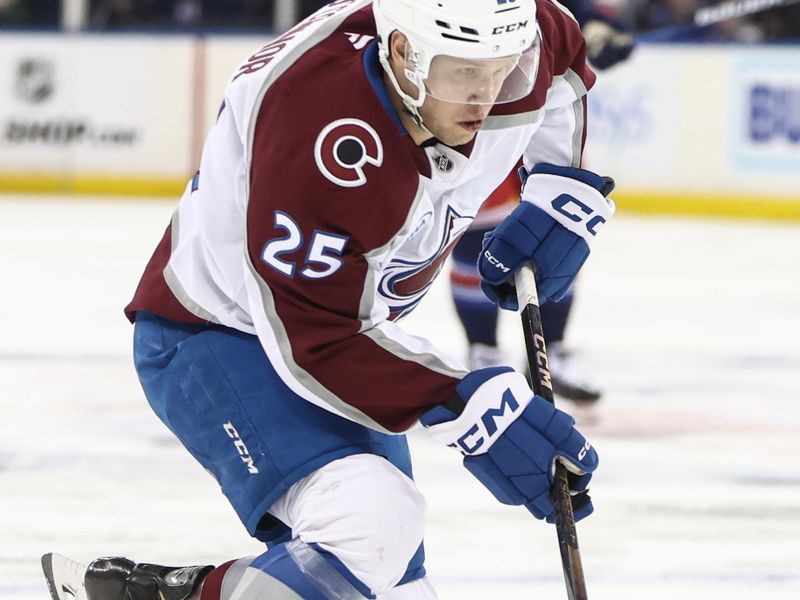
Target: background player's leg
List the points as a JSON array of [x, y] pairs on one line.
[[477, 313], [567, 381], [478, 316], [555, 316]]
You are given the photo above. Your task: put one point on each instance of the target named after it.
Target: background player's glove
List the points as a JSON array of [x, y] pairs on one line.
[[511, 440], [561, 209], [607, 43]]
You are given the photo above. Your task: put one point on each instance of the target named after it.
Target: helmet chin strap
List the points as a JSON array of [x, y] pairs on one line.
[[411, 105]]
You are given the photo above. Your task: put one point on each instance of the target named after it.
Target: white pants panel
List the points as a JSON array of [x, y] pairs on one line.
[[364, 511]]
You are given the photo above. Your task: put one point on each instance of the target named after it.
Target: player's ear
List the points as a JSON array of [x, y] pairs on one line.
[[397, 46]]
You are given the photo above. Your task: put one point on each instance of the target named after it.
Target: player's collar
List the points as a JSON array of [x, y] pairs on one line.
[[374, 72]]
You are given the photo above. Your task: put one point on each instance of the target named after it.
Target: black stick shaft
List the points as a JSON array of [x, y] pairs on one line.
[[542, 386]]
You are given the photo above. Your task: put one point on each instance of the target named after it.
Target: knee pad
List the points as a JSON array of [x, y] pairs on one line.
[[362, 510]]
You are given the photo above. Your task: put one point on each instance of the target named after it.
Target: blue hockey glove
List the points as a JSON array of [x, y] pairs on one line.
[[511, 440], [607, 42], [561, 209]]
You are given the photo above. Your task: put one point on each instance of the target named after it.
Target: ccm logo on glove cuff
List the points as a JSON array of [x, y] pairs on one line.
[[569, 206], [471, 441], [493, 407], [575, 205], [584, 451]]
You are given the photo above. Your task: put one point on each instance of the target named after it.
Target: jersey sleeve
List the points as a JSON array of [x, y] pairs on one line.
[[314, 244], [561, 137]]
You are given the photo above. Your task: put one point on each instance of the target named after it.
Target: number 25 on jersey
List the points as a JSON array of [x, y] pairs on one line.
[[323, 256]]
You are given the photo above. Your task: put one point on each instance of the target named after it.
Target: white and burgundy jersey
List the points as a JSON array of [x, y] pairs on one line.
[[315, 222]]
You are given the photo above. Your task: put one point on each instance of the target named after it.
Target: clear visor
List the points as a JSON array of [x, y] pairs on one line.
[[484, 81]]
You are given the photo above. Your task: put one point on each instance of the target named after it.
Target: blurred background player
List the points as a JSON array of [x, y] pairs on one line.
[[607, 43]]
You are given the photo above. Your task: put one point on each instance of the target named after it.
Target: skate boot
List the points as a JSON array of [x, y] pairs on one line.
[[482, 356], [118, 578], [566, 382]]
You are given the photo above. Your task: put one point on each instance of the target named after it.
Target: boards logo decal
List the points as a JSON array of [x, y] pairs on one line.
[[342, 150]]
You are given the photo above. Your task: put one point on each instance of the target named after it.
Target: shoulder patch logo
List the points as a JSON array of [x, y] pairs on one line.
[[343, 148]]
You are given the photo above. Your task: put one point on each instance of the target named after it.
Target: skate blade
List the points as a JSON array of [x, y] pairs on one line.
[[64, 577]]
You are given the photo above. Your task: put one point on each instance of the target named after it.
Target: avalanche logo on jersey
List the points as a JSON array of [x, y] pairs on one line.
[[343, 148], [405, 282]]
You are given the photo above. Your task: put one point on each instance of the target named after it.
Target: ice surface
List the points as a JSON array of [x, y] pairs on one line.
[[690, 326]]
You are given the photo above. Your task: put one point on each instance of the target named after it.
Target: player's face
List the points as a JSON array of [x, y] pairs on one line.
[[460, 94], [451, 123]]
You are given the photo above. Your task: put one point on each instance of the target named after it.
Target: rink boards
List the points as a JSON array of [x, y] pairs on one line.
[[687, 129]]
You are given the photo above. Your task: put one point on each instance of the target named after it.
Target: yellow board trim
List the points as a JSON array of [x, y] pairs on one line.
[[784, 208], [709, 205], [91, 185]]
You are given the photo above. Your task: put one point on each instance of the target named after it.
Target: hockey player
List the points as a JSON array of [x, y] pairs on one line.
[[607, 44], [348, 156]]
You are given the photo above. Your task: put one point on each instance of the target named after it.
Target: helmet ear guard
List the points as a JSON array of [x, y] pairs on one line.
[[410, 103]]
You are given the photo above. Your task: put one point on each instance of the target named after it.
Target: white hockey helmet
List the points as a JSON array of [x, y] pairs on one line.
[[463, 51]]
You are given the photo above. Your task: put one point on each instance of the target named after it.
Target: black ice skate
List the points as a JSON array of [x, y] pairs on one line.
[[567, 383], [118, 578], [64, 577]]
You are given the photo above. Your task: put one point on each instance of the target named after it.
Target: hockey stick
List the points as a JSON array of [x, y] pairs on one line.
[[528, 299], [734, 9], [711, 15]]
